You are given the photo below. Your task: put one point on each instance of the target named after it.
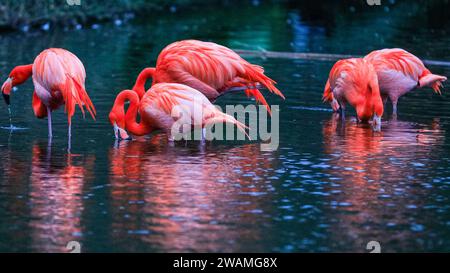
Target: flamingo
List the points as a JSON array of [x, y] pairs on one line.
[[156, 108], [355, 81], [58, 78], [399, 72], [209, 68]]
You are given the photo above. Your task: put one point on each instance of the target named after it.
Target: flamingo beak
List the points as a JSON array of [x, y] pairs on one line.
[[7, 99], [376, 123], [335, 105], [120, 133], [6, 90]]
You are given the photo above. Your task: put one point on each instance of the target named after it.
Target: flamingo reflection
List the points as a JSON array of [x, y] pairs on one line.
[[56, 198], [172, 199], [375, 174]]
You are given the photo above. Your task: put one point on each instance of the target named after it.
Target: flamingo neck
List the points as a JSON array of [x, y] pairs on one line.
[[135, 128], [21, 73], [139, 86]]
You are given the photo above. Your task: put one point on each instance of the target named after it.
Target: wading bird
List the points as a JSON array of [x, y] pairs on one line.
[[399, 72], [156, 109], [209, 68], [58, 78], [354, 81]]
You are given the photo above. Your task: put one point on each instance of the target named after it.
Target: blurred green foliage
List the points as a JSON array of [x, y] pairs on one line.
[[14, 13]]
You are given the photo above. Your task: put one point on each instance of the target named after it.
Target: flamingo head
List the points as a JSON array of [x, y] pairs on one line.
[[370, 109], [17, 76], [117, 119]]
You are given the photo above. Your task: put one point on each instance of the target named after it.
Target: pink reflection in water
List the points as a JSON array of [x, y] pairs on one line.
[[175, 199], [375, 175], [56, 198]]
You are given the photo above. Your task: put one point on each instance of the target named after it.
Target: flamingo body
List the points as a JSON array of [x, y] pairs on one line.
[[354, 81], [157, 110], [209, 68], [399, 72], [58, 78]]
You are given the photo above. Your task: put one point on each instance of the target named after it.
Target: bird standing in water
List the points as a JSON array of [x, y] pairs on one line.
[[209, 68], [59, 79], [399, 72], [354, 81], [157, 106]]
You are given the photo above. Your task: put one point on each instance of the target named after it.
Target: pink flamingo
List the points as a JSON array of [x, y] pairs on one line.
[[354, 81], [58, 78], [209, 68], [399, 72], [156, 110]]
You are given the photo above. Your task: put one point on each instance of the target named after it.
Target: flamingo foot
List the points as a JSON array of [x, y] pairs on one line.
[[342, 113]]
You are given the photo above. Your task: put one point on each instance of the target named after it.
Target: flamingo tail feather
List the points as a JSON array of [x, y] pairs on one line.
[[228, 119], [74, 93], [255, 73]]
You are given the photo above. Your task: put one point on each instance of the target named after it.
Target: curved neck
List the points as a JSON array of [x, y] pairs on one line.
[[21, 73], [145, 74], [135, 128], [375, 98]]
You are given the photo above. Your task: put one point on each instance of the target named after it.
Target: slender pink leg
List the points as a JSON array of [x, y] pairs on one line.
[[49, 119], [394, 101], [69, 138]]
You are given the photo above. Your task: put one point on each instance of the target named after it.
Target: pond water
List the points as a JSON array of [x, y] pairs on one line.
[[331, 186]]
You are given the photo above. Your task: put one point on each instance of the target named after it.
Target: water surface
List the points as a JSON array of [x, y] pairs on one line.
[[331, 186]]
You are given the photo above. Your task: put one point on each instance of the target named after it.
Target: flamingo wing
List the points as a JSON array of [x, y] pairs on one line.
[[167, 96], [398, 60]]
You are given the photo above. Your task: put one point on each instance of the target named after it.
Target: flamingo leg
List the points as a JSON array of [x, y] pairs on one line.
[[69, 138], [170, 138], [49, 119], [203, 135], [394, 106], [342, 111]]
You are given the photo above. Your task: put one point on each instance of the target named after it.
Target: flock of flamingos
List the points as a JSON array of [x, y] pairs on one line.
[[192, 74]]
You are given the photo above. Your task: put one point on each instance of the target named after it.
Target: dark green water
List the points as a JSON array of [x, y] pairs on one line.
[[330, 186]]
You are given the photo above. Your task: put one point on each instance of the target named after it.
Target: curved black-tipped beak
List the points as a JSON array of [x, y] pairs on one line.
[[6, 98], [120, 133]]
